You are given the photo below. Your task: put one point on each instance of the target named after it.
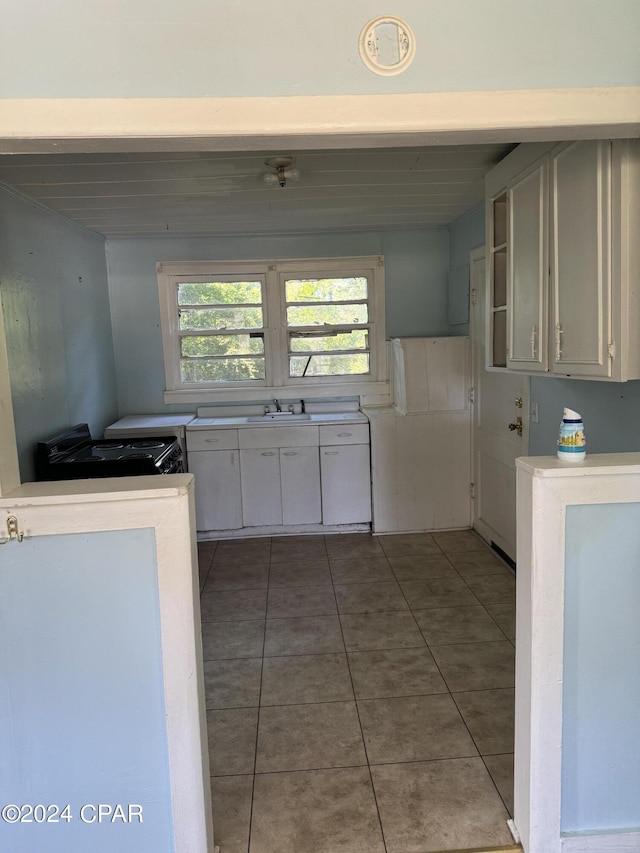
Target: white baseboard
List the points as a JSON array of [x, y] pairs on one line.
[[617, 842]]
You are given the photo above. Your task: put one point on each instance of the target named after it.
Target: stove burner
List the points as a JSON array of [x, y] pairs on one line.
[[138, 455], [94, 458], [140, 445], [107, 445]]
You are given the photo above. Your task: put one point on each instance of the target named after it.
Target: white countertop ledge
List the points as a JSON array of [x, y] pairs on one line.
[[595, 464], [242, 421], [98, 490]]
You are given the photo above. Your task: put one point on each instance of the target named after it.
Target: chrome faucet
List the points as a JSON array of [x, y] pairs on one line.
[[278, 406]]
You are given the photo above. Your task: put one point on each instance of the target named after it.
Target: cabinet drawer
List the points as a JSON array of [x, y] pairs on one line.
[[289, 436], [344, 434], [212, 439]]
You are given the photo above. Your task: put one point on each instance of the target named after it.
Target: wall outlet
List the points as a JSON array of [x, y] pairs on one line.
[[534, 413]]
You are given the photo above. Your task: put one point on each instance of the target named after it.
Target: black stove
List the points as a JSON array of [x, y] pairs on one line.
[[74, 455]]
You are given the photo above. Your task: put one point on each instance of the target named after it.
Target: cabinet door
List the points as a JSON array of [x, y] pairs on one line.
[[346, 484], [217, 489], [261, 496], [528, 265], [581, 246], [300, 484]]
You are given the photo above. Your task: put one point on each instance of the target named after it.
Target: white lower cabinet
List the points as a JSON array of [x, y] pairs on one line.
[[261, 495], [217, 489], [346, 484], [300, 485], [281, 476]]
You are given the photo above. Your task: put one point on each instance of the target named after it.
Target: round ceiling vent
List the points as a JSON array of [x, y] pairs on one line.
[[387, 45]]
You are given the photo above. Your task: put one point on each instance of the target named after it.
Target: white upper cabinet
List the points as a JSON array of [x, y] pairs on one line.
[[581, 259], [528, 269], [572, 305]]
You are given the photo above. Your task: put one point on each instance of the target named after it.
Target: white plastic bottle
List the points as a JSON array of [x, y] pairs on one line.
[[571, 441]]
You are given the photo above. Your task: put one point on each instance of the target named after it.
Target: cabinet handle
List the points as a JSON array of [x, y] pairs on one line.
[[332, 453], [344, 434], [290, 453], [534, 334], [268, 453], [558, 345], [211, 440]]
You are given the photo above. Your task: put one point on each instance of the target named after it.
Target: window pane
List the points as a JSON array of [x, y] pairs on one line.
[[222, 369], [219, 292], [328, 365], [325, 289], [332, 315], [358, 339], [221, 318], [204, 345]]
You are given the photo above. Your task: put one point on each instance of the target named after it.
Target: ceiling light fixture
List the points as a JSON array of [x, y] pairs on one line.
[[283, 171]]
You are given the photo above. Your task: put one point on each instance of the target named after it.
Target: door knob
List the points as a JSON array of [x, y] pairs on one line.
[[517, 427]]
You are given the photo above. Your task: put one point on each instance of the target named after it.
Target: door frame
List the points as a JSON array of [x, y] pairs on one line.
[[477, 254]]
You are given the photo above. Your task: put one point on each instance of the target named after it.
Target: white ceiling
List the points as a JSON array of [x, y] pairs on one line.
[[218, 193]]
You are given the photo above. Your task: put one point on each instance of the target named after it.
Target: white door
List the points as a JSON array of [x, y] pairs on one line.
[[495, 446]]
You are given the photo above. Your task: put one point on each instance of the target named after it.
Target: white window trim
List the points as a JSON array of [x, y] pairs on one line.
[[277, 383]]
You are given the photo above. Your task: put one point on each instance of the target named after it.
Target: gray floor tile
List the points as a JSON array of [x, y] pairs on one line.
[[309, 737], [361, 570], [232, 683], [505, 615], [438, 592], [366, 631], [457, 541], [501, 769], [233, 605], [476, 666], [242, 551], [439, 805], [299, 679], [494, 589], [408, 544], [343, 546], [299, 573], [421, 567], [479, 563], [395, 672], [446, 625], [223, 640], [370, 597], [302, 548], [203, 574], [232, 741], [301, 601], [238, 577], [303, 636], [231, 806], [414, 728], [316, 811], [488, 715]]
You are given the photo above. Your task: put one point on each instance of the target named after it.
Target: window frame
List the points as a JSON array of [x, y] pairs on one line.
[[273, 272]]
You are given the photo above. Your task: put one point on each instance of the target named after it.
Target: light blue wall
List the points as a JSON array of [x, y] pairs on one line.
[[196, 48], [82, 713], [601, 698], [465, 233], [55, 299], [416, 287], [610, 410]]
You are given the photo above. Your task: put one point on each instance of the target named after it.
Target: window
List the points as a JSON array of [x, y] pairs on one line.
[[231, 328]]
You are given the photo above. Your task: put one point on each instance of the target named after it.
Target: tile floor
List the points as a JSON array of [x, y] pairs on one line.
[[359, 693]]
